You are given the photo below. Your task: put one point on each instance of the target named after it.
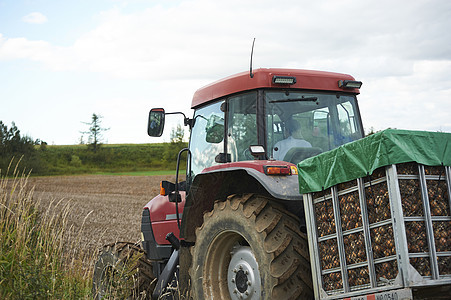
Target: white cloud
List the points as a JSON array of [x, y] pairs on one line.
[[53, 57], [204, 38], [419, 101], [35, 18]]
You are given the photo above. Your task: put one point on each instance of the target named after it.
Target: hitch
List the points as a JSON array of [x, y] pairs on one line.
[[173, 240]]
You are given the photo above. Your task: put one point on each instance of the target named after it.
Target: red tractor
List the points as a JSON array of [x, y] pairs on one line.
[[236, 228]]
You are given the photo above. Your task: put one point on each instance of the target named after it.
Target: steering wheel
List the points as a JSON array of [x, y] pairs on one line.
[[247, 154]]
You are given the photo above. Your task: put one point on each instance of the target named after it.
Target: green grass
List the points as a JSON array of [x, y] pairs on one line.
[[142, 173], [41, 256], [108, 159], [37, 256]]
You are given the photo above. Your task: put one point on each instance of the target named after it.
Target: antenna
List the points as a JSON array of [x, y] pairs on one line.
[[252, 54]]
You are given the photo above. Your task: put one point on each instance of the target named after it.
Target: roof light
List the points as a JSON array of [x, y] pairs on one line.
[[349, 84], [257, 150], [283, 79], [277, 170]]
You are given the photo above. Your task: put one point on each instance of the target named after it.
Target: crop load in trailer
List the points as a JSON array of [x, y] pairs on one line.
[[378, 216]]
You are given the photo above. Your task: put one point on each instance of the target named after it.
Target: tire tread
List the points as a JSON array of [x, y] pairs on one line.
[[283, 241]]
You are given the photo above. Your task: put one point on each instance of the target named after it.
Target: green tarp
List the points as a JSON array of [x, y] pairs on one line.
[[360, 158]]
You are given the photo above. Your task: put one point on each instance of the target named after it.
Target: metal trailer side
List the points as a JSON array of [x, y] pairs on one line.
[[397, 242]]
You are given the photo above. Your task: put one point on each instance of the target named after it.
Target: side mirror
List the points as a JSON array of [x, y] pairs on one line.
[[215, 134], [155, 125], [215, 129]]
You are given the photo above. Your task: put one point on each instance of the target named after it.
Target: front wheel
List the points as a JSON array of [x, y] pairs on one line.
[[249, 247], [122, 271]]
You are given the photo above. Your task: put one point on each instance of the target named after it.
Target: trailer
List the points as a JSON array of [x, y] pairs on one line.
[[378, 217]]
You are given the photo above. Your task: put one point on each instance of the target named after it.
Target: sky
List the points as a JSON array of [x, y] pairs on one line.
[[62, 61]]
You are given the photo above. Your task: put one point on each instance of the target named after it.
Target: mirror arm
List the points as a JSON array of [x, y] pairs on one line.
[[175, 113], [187, 121]]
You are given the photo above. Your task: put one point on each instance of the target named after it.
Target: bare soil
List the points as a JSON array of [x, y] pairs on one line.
[[104, 209]]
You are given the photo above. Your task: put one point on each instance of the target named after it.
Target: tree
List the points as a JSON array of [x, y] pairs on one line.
[[13, 145], [176, 144], [371, 131], [95, 132], [177, 134]]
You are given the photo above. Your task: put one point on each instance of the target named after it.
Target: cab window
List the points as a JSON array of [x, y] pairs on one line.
[[207, 137], [242, 126]]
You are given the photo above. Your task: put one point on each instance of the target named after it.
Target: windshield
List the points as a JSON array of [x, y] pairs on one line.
[[301, 125]]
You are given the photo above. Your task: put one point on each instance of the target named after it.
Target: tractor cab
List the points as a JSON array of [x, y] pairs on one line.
[[290, 124]]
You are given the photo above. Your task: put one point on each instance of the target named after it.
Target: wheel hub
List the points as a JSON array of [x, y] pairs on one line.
[[243, 276], [241, 281]]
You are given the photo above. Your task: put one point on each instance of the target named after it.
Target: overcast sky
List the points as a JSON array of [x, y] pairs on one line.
[[62, 61]]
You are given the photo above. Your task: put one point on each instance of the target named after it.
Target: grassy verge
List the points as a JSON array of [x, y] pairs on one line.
[[38, 256], [78, 159], [142, 173], [41, 255]]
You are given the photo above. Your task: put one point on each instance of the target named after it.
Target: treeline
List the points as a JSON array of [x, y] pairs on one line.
[[42, 159]]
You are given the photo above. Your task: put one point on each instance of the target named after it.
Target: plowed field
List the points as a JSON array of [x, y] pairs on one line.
[[109, 207]]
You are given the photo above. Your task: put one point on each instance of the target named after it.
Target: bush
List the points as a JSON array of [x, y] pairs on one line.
[[75, 161]]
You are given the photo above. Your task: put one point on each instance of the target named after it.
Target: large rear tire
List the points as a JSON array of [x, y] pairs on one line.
[[122, 271], [249, 247]]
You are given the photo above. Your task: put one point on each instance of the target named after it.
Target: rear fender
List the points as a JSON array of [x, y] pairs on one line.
[[218, 184]]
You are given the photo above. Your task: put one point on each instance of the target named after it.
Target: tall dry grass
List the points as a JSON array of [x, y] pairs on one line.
[[38, 250]]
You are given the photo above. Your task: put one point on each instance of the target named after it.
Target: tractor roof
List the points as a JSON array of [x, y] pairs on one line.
[[263, 78]]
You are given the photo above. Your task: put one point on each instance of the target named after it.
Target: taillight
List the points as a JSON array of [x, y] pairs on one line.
[[277, 170]]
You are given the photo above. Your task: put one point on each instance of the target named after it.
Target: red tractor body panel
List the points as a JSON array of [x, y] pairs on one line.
[[162, 228], [163, 217], [263, 78]]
